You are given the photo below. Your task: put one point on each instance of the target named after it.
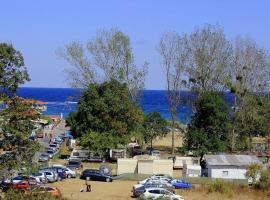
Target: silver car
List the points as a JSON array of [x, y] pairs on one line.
[[51, 175]]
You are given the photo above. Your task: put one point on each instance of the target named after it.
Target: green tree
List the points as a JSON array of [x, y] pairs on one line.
[[208, 131], [106, 108], [155, 125], [16, 120], [12, 70]]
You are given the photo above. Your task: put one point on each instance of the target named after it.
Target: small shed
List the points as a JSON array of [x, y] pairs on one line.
[[191, 170], [126, 165], [229, 166]]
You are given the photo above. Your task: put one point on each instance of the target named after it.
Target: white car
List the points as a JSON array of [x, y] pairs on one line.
[[40, 177], [154, 182], [70, 173], [155, 193], [162, 179]]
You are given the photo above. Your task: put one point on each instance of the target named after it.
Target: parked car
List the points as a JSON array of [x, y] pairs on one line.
[[50, 153], [95, 175], [180, 184], [54, 191], [137, 190], [51, 175], [53, 146], [41, 176], [155, 193], [155, 153], [40, 135], [17, 179], [43, 157], [60, 172], [74, 164], [70, 173], [156, 178], [33, 138]]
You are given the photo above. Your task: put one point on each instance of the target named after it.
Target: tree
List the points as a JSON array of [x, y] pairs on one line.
[[251, 120], [154, 126], [208, 131], [108, 110], [248, 74], [109, 52], [174, 57], [12, 69], [209, 57], [16, 120]]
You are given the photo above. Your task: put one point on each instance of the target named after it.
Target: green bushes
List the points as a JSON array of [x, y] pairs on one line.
[[264, 182], [220, 187], [16, 195]]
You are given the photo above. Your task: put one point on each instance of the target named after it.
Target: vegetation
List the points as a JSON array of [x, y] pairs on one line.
[[111, 54], [106, 116], [254, 171], [208, 131], [264, 181], [154, 126], [17, 195], [16, 120]]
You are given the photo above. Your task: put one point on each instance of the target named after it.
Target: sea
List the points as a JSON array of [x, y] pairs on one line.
[[64, 100]]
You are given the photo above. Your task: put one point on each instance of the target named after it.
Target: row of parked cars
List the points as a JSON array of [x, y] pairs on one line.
[[158, 186], [51, 149]]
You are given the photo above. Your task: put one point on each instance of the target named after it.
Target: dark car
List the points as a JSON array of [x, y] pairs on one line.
[[74, 164], [96, 175]]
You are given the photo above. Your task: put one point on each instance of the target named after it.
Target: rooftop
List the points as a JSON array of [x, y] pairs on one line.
[[231, 160]]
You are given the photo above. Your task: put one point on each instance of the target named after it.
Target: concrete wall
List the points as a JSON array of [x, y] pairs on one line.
[[227, 172], [126, 166]]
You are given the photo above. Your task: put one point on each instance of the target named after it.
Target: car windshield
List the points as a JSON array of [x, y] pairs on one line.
[[44, 155], [50, 152], [73, 163], [37, 174], [52, 145]]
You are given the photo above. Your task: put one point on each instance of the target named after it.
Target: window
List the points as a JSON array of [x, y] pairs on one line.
[[154, 191], [225, 173]]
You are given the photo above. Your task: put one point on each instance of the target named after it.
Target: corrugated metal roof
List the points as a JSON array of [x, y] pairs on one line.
[[231, 160]]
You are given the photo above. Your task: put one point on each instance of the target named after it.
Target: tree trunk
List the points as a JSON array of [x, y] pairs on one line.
[[233, 129], [173, 124]]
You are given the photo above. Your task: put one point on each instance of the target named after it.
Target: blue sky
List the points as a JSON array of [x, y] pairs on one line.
[[39, 28]]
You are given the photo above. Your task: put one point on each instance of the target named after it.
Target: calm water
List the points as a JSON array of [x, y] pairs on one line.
[[64, 100]]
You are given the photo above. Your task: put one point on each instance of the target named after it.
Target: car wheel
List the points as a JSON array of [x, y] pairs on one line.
[[108, 180], [69, 176]]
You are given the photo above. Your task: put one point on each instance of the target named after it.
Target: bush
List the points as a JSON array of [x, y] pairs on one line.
[[17, 195], [264, 182], [220, 187]]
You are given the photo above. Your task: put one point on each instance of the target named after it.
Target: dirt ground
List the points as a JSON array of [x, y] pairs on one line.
[[121, 190]]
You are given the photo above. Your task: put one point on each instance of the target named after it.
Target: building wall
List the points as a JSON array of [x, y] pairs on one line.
[[145, 166], [227, 172], [126, 166], [163, 167]]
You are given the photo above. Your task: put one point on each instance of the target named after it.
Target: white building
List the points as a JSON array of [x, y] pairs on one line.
[[229, 166], [191, 170]]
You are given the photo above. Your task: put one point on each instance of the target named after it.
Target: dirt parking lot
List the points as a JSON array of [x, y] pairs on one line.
[[121, 190]]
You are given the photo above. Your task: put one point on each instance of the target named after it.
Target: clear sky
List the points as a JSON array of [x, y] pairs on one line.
[[39, 28]]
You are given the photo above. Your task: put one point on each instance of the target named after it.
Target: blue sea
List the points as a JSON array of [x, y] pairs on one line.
[[64, 100]]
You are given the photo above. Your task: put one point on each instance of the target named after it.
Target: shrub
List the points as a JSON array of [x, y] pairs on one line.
[[220, 187], [264, 182], [17, 195]]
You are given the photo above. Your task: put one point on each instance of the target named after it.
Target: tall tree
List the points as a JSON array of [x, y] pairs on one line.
[[109, 52], [16, 120], [174, 56], [209, 56], [208, 131], [248, 74]]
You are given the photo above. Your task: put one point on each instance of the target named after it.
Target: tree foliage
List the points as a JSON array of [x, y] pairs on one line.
[[174, 56], [110, 53], [154, 126], [208, 131], [12, 69], [16, 119], [106, 109]]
